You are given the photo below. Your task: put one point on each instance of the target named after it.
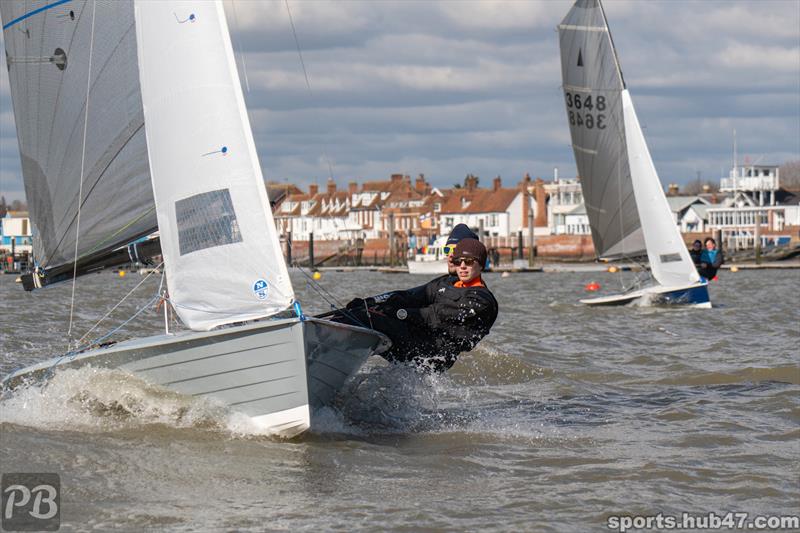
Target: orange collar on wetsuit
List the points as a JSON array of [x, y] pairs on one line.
[[477, 282]]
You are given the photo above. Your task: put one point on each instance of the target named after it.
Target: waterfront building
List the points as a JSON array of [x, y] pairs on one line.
[[756, 199], [690, 213], [15, 233], [566, 214], [499, 212]]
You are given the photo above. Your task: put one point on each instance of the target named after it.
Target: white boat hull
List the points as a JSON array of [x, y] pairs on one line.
[[694, 295], [276, 372], [427, 267]]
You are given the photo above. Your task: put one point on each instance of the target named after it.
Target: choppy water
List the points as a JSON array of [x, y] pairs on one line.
[[563, 416]]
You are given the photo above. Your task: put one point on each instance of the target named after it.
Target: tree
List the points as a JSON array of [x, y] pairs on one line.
[[697, 186], [18, 205], [3, 207], [790, 175]]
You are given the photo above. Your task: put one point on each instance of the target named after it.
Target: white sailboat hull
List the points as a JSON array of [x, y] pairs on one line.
[[693, 295], [427, 267], [256, 369]]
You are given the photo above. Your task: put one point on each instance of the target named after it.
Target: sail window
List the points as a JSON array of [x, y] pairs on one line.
[[206, 220], [670, 258]]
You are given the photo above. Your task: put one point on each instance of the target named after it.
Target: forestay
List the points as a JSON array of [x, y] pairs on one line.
[[593, 84], [47, 52], [223, 259]]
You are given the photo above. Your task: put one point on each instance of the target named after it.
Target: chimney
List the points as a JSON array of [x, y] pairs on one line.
[[673, 189], [497, 183], [313, 189], [331, 186], [420, 184], [541, 205], [470, 182], [352, 187], [397, 178]]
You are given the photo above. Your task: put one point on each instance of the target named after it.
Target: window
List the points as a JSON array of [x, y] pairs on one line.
[[206, 220]]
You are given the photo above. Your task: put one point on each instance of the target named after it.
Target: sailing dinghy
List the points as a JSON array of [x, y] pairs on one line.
[[627, 209], [131, 119]]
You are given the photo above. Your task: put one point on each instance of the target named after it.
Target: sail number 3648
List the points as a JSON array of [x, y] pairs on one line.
[[580, 110]]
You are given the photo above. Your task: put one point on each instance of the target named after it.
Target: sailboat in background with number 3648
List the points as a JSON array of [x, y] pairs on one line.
[[627, 209]]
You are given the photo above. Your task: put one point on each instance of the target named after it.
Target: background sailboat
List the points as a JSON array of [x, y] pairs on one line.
[[131, 118], [627, 209]]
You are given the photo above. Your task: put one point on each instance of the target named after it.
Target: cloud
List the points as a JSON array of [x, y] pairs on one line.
[[449, 88]]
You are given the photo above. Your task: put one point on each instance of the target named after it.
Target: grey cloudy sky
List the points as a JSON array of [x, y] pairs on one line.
[[455, 87]]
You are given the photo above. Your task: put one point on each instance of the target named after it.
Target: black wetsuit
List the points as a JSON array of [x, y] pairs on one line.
[[695, 255], [429, 325]]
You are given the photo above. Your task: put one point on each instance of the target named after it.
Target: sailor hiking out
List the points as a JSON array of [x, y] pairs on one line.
[[432, 324]]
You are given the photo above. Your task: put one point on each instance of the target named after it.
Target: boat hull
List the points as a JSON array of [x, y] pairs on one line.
[[427, 267], [695, 295], [276, 372]]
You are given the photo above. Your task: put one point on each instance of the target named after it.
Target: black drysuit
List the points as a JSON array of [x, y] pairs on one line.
[[429, 325]]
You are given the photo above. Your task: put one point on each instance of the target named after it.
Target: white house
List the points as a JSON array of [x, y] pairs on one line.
[[576, 221], [500, 212], [15, 233], [565, 196]]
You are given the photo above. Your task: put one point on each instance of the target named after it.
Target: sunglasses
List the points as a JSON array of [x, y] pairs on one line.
[[469, 261]]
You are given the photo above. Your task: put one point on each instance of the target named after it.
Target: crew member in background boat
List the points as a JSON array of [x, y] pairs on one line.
[[710, 260], [695, 252], [432, 324], [460, 231]]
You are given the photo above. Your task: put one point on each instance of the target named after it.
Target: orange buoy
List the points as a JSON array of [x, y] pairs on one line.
[[613, 269], [592, 286], [122, 273]]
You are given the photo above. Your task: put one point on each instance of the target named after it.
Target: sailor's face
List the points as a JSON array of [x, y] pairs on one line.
[[467, 268], [451, 267]]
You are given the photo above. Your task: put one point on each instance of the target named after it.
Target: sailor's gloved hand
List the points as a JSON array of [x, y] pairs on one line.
[[360, 303]]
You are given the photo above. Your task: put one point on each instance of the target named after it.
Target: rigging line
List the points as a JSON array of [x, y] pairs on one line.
[[120, 303], [239, 46], [308, 83], [80, 182], [72, 353], [100, 176], [335, 304]]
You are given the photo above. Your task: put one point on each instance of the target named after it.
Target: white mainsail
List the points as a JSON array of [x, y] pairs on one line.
[[627, 208], [223, 258], [47, 53]]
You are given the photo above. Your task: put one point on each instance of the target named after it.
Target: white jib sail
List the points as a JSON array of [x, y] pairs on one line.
[[223, 259], [669, 258]]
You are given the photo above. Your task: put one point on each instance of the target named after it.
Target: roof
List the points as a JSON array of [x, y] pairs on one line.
[[479, 201], [701, 210], [679, 203]]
